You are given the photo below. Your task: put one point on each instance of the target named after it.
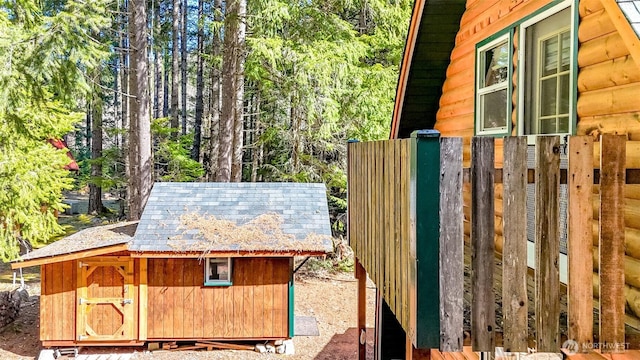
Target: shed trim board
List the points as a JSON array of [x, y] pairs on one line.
[[72, 256]]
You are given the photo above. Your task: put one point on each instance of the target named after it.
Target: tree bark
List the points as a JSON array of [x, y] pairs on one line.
[[124, 96], [183, 66], [175, 64], [165, 85], [231, 125], [197, 128], [157, 68], [95, 189], [210, 161], [140, 126]]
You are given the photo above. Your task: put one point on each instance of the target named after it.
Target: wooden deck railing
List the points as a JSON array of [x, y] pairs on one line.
[[406, 229]]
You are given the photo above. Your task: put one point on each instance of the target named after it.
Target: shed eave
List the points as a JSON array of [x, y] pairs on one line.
[[18, 264], [242, 253]]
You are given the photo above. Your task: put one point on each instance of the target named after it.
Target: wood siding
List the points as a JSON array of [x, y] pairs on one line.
[[255, 306], [607, 84], [57, 301]]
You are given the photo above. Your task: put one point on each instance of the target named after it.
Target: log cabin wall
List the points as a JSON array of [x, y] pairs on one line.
[[608, 83], [58, 301], [256, 306]]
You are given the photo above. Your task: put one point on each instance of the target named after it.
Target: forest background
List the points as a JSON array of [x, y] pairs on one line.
[[185, 90]]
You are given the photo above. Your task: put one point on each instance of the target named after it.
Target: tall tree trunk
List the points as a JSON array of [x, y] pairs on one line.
[[140, 125], [210, 162], [238, 133], [175, 67], [257, 152], [124, 96], [229, 167], [95, 189], [183, 65], [165, 84], [197, 128], [157, 68]]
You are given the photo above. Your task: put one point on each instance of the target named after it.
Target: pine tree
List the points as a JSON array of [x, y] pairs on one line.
[[43, 56]]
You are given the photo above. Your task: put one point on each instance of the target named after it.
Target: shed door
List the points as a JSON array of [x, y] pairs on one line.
[[106, 306]]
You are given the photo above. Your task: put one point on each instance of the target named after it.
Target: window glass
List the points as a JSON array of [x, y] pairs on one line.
[[493, 76], [218, 270]]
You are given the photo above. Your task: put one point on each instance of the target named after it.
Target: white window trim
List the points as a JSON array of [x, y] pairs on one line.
[[208, 282], [489, 89], [531, 139]]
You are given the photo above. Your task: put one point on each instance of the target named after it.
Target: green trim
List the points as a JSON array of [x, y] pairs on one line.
[[425, 204], [221, 283], [573, 116], [291, 301], [476, 115]]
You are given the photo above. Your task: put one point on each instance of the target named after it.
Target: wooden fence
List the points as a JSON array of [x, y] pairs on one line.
[[406, 227]]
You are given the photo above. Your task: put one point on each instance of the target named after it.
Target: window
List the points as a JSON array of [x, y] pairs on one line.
[[218, 272], [547, 94], [493, 91]]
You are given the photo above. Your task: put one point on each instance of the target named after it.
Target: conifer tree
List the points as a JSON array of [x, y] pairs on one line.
[[45, 53]]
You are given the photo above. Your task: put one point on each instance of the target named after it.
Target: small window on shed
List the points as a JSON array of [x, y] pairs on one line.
[[493, 74], [218, 271]]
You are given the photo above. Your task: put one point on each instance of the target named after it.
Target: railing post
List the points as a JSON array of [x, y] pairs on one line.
[[424, 327]]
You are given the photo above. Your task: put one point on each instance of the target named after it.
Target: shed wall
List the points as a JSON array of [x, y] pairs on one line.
[[608, 84], [255, 306], [57, 301]]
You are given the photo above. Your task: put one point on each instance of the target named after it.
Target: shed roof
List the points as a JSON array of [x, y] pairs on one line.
[[223, 217], [99, 237]]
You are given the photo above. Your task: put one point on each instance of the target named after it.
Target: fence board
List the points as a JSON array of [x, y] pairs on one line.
[[378, 216], [406, 230], [612, 303], [580, 262], [547, 213], [451, 246], [482, 244], [514, 254]]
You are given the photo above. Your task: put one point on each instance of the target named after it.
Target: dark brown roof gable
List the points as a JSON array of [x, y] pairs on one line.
[[431, 37]]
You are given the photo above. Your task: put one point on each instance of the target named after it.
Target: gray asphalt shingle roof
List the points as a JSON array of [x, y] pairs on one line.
[[631, 10], [191, 217]]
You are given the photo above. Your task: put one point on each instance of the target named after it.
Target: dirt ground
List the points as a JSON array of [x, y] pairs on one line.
[[329, 297]]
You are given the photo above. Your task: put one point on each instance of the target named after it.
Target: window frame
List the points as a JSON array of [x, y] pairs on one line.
[[481, 48], [218, 282], [530, 21]]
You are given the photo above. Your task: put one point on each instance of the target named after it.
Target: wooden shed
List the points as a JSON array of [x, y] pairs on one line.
[[532, 68], [207, 261]]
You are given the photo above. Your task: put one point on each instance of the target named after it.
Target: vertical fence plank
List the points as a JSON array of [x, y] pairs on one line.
[[514, 254], [392, 227], [482, 244], [580, 240], [406, 230], [612, 303], [451, 246], [547, 243]]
